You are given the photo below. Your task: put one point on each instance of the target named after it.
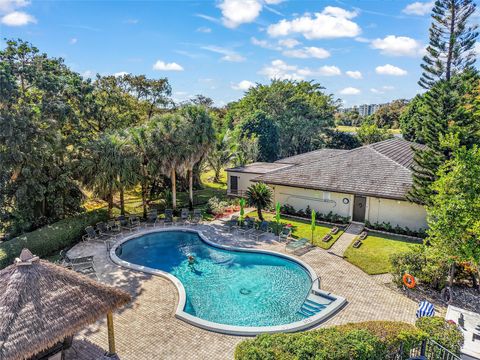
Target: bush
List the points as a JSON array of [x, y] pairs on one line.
[[51, 238], [443, 332], [320, 344], [307, 213], [386, 226], [215, 206]]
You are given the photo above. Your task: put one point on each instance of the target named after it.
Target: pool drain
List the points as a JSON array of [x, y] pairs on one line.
[[244, 291]]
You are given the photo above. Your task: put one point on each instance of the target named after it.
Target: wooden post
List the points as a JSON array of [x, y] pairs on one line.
[[111, 335]]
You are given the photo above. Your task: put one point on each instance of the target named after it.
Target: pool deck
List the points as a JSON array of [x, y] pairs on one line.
[[148, 329]]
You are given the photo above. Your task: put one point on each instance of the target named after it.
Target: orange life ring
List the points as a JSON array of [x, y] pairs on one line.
[[409, 281]]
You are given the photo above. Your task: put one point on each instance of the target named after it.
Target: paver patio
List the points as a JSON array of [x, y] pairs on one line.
[[147, 328]]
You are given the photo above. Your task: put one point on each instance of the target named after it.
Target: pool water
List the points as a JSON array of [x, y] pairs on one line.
[[222, 286]]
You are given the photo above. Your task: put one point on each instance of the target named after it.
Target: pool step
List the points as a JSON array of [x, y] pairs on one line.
[[313, 304]]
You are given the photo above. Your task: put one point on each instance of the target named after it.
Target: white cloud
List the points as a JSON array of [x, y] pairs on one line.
[[237, 12], [388, 69], [398, 46], [264, 44], [163, 66], [382, 90], [279, 69], [204, 29], [329, 71], [376, 91], [7, 6], [418, 8], [120, 73], [476, 48], [18, 18], [228, 55], [289, 43], [73, 41], [88, 74], [243, 85], [332, 22], [307, 52], [273, 2], [350, 91], [233, 58], [354, 74]]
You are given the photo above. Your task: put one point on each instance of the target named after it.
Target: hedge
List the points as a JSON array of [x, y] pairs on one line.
[[443, 332], [368, 340], [51, 238]]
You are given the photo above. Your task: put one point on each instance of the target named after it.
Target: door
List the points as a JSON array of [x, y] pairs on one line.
[[359, 205], [233, 184]]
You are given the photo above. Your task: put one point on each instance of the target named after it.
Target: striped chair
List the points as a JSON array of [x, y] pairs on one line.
[[425, 308]]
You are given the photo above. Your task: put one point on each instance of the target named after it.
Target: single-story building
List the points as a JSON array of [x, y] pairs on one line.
[[369, 183]]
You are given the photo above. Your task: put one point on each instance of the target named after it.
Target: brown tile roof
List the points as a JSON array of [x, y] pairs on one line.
[[381, 169], [310, 156], [259, 167]]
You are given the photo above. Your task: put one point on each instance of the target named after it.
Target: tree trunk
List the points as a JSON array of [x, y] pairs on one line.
[[451, 275], [174, 189], [110, 203], [259, 212], [122, 200], [190, 187], [144, 199]]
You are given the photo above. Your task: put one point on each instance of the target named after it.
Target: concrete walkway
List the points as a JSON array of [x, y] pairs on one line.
[[148, 329], [346, 239]]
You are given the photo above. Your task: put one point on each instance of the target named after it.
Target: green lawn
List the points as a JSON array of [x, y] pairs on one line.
[[373, 256], [302, 229], [353, 129]]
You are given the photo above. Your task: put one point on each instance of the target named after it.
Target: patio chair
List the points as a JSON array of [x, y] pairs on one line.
[[232, 223], [263, 229], [197, 217], [91, 234], [297, 244], [75, 263], [168, 217], [184, 216], [152, 218], [104, 231], [285, 234], [114, 227], [134, 222], [248, 227], [123, 222]]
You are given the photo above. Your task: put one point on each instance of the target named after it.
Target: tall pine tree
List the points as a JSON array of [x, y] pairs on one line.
[[447, 74]]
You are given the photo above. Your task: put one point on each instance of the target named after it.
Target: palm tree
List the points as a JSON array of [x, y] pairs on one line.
[[127, 165], [139, 142], [99, 168], [200, 137], [221, 154], [168, 151], [260, 196]]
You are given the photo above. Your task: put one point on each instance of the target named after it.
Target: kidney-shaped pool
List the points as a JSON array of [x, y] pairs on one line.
[[230, 290]]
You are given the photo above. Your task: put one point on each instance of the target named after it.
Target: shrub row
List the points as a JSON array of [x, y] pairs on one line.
[[386, 226], [368, 340], [51, 238], [307, 213]]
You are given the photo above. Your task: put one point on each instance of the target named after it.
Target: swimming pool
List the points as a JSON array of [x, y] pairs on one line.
[[227, 289]]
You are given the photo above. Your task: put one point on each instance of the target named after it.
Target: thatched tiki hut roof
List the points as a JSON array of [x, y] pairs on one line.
[[41, 304]]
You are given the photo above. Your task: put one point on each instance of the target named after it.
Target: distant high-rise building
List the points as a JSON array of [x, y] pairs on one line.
[[363, 110]]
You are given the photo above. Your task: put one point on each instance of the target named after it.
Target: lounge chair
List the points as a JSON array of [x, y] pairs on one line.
[[184, 216], [232, 223], [247, 227], [285, 234], [297, 244], [152, 218], [197, 217], [91, 234], [168, 217], [75, 263], [262, 229], [123, 222], [134, 222]]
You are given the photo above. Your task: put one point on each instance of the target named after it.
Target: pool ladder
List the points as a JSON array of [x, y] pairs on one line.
[[312, 303]]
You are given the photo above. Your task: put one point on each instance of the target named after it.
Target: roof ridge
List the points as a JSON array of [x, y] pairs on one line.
[[387, 157]]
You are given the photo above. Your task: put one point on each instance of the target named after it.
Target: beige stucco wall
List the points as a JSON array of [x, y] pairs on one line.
[[396, 212], [321, 201], [402, 213], [244, 179]]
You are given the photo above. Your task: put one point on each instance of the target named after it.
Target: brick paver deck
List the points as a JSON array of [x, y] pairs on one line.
[[147, 328]]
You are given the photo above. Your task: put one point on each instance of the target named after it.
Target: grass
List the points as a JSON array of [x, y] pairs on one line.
[[302, 229], [133, 198], [373, 256], [354, 129]]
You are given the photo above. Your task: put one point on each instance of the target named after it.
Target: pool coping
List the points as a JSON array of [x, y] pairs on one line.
[[337, 303]]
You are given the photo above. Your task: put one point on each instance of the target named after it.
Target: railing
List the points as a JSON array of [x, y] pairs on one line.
[[311, 287], [239, 193], [428, 350]]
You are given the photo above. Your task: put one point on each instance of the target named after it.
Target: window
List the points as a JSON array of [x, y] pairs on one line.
[[233, 183], [326, 195]]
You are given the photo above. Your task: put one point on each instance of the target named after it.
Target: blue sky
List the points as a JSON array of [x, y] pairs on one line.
[[360, 51]]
